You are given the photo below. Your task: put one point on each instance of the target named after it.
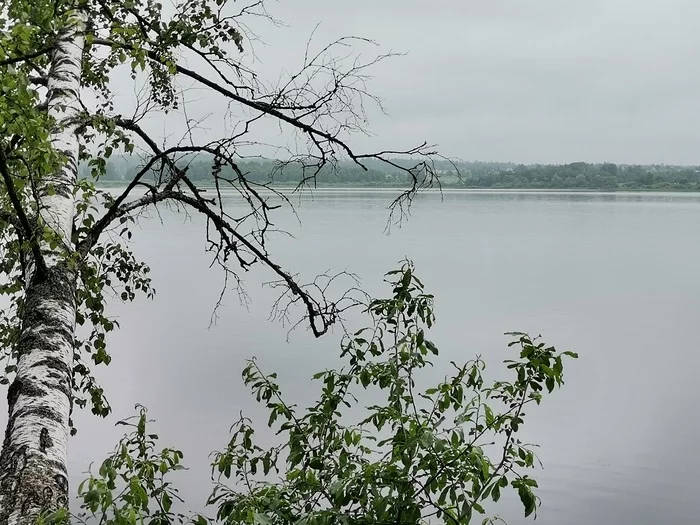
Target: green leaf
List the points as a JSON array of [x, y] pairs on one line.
[[496, 492], [167, 502], [489, 416], [527, 498], [364, 377], [549, 383]]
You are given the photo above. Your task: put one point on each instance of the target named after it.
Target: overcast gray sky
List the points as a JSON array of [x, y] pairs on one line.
[[520, 80]]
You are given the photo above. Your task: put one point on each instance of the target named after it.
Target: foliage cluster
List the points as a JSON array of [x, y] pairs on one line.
[[414, 455]]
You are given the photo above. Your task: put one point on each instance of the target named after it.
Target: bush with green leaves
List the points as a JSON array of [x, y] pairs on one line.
[[415, 455]]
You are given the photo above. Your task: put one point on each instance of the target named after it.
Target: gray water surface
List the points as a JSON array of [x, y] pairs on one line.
[[615, 277]]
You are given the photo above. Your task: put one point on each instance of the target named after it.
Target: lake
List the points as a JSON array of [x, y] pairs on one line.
[[613, 276]]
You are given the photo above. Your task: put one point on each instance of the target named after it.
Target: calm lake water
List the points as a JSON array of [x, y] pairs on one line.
[[615, 277]]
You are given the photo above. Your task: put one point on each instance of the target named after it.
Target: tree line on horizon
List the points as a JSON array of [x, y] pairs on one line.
[[496, 175]]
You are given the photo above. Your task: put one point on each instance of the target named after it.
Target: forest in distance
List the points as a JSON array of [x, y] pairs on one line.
[[476, 175]]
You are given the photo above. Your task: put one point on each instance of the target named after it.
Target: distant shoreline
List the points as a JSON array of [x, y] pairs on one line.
[[576, 176], [445, 188]]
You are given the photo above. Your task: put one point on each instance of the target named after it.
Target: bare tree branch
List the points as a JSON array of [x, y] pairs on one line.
[[321, 102], [26, 58], [263, 107]]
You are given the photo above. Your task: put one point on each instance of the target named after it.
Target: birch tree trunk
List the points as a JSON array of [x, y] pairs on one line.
[[33, 462]]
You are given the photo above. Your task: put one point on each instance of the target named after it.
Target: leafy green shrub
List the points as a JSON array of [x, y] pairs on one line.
[[416, 455]]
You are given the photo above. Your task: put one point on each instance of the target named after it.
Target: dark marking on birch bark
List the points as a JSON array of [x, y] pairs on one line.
[[13, 392], [55, 376], [45, 441], [54, 363], [62, 483], [47, 413], [24, 388]]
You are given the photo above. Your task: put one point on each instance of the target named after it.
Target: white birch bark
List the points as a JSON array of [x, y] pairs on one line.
[[33, 462]]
